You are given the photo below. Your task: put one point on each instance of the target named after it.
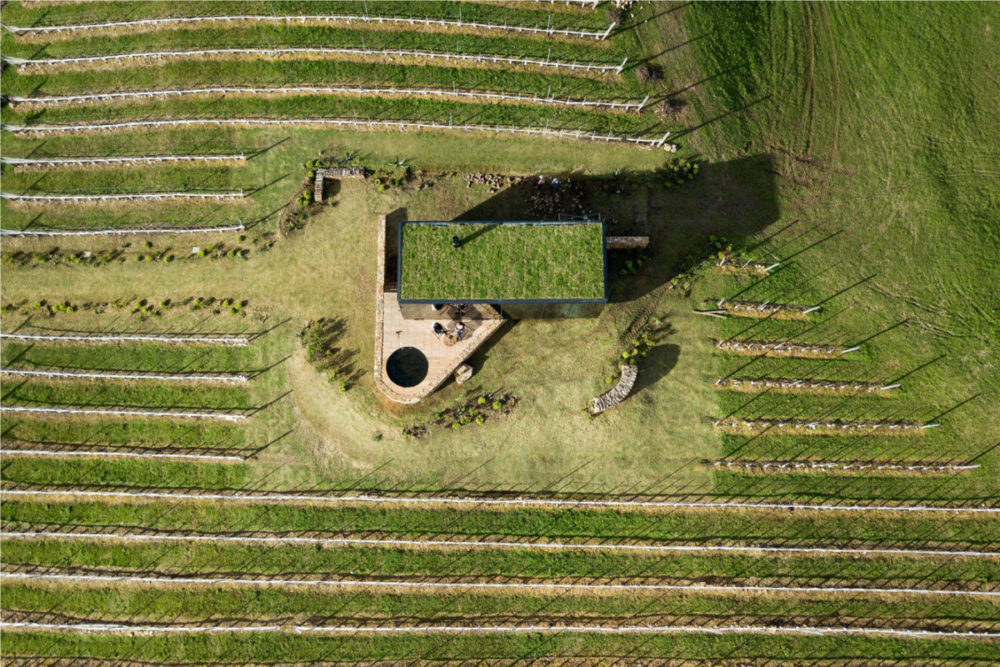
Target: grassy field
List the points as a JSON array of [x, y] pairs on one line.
[[847, 143]]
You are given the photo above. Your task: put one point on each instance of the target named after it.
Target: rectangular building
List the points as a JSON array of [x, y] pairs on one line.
[[523, 269]]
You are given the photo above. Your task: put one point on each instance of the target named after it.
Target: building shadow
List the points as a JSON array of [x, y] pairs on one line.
[[735, 199]]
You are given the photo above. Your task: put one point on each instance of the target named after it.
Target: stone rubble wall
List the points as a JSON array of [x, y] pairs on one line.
[[618, 394], [626, 242]]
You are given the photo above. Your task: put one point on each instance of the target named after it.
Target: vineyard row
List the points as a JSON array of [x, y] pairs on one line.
[[498, 501], [278, 540]]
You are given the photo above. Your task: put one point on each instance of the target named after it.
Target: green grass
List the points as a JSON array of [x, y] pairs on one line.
[[467, 11], [261, 73], [848, 140], [136, 358], [502, 262], [711, 527], [131, 432], [365, 108], [99, 393], [391, 563], [117, 472], [284, 648], [291, 36], [125, 603], [892, 227]]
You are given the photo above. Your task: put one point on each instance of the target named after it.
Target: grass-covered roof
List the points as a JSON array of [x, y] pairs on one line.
[[508, 261]]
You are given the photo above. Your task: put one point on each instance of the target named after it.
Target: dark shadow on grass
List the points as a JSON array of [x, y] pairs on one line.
[[720, 116], [253, 192], [469, 238], [659, 361], [735, 199], [631, 25], [260, 152]]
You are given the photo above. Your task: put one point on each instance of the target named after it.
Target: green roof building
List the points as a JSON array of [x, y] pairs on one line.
[[530, 269]]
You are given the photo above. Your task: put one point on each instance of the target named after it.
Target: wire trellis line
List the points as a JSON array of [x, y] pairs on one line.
[[482, 544], [98, 338], [480, 502], [81, 62], [111, 453], [124, 412], [513, 586], [93, 627], [328, 123], [98, 98], [133, 196], [122, 231], [55, 162], [303, 19], [228, 378]]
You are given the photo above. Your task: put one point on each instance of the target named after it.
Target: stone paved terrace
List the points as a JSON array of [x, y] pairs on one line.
[[442, 359], [394, 332]]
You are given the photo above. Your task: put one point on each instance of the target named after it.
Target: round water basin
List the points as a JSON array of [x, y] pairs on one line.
[[406, 367]]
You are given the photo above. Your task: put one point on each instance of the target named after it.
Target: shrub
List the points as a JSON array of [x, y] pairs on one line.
[[669, 107], [648, 72]]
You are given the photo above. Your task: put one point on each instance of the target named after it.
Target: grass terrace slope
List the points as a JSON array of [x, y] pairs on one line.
[[502, 262]]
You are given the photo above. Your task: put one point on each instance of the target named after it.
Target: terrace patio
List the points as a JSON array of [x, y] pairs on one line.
[[411, 361]]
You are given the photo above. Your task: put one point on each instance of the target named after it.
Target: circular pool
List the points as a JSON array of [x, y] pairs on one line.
[[406, 367]]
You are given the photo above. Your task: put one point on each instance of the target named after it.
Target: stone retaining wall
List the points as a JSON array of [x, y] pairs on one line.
[[334, 172]]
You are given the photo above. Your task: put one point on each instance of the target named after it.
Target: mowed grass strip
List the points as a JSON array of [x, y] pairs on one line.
[[824, 408], [502, 261], [695, 527], [365, 108], [110, 603], [282, 648], [513, 565], [975, 487], [938, 447], [511, 45], [264, 73], [133, 473], [158, 358], [126, 215], [117, 432], [164, 178], [100, 393]]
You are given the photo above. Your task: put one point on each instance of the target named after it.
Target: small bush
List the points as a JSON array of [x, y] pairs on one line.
[[669, 107], [648, 73]]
